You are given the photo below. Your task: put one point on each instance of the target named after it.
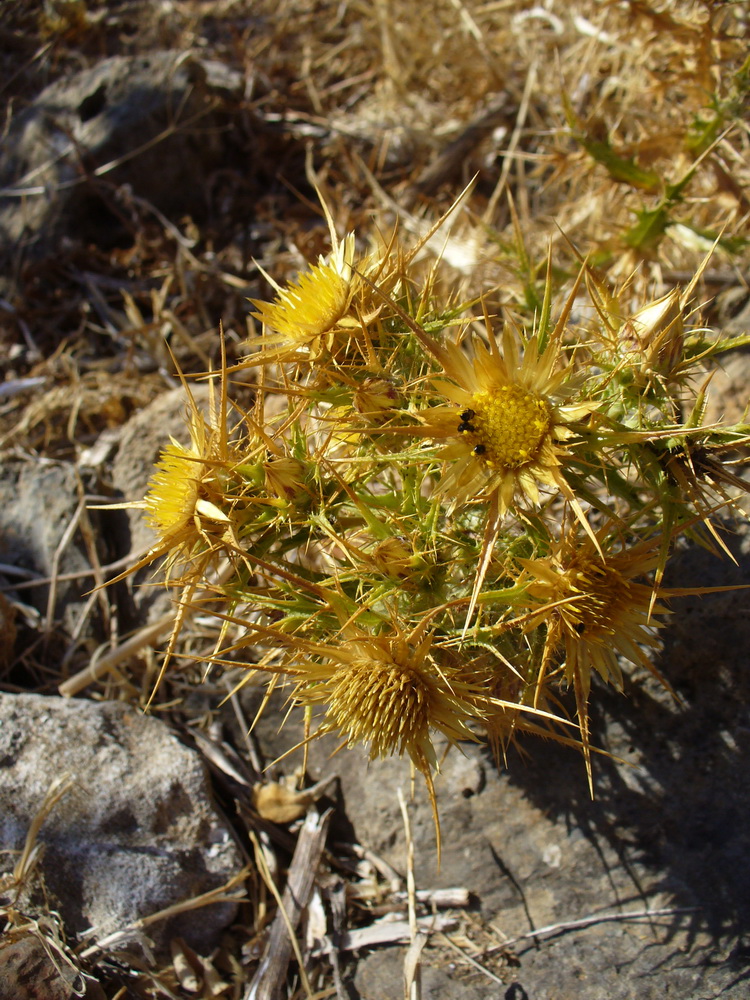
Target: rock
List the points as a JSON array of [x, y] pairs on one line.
[[136, 833], [728, 393], [155, 122], [381, 974], [28, 973], [38, 501]]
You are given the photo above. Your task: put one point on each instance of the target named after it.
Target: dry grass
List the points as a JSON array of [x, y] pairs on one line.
[[619, 131]]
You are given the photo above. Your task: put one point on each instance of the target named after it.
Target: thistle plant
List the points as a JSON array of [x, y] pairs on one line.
[[435, 517]]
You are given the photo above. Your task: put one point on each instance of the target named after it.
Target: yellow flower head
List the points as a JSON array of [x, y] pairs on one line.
[[195, 496], [306, 314], [185, 498], [173, 491], [511, 419], [389, 691], [593, 608]]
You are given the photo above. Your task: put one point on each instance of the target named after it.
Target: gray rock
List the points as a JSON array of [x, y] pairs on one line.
[[728, 401], [152, 122], [27, 972], [38, 501], [137, 832]]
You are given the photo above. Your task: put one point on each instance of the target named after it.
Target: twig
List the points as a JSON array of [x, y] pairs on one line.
[[472, 961], [269, 979], [388, 931], [62, 546], [523, 109], [19, 385], [412, 970], [36, 580], [601, 918], [143, 637], [335, 896], [98, 668], [252, 750], [452, 159], [380, 865]]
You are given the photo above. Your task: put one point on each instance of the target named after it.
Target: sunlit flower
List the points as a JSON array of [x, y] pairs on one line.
[[513, 416], [193, 495], [305, 315], [185, 497], [390, 692], [173, 491]]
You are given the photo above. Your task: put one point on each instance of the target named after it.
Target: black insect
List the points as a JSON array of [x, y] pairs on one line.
[[479, 449], [466, 427]]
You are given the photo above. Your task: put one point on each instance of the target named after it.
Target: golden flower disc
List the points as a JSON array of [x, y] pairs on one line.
[[382, 702], [507, 425]]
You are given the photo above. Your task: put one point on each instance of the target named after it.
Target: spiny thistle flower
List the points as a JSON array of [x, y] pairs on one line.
[[512, 421], [182, 502], [187, 502], [514, 424], [173, 491], [306, 314], [389, 691], [592, 610]]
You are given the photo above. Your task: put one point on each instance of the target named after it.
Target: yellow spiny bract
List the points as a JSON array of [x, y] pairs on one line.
[[173, 491]]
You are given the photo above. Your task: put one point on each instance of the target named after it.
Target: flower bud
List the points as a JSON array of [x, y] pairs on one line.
[[660, 331], [285, 478], [393, 558], [376, 397]]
